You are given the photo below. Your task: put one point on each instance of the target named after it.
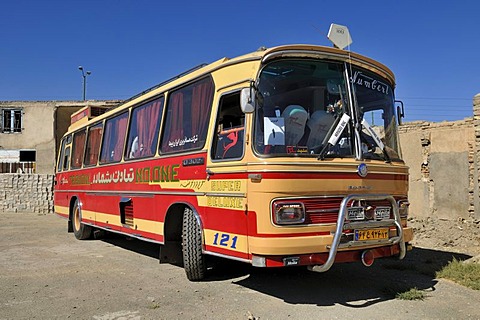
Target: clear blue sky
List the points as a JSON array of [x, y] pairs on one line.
[[433, 47]]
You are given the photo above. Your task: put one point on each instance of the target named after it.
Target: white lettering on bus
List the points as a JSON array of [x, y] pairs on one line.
[[115, 177], [364, 81], [182, 142]]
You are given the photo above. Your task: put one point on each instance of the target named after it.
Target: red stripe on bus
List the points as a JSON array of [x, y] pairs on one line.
[[310, 176]]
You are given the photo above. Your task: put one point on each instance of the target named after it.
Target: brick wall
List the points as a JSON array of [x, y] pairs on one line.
[[26, 193], [442, 161]]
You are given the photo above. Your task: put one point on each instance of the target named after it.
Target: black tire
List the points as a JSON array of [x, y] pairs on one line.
[[193, 258], [80, 230]]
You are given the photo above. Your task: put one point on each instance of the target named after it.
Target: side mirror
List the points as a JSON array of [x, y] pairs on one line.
[[246, 100], [400, 111]]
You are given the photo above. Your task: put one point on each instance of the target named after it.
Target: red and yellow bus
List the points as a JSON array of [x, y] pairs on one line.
[[287, 156]]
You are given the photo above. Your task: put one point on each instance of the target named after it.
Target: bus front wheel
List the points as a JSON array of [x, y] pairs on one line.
[[193, 258], [80, 230]]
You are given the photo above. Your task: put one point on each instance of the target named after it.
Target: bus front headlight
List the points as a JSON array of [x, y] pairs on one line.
[[288, 213]]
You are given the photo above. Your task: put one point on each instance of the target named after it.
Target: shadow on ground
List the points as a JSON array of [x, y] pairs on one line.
[[148, 249], [352, 284], [348, 284]]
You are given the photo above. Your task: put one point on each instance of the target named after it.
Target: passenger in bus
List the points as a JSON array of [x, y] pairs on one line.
[[134, 148]]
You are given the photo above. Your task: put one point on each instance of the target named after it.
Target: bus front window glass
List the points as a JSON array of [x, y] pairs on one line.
[[143, 132], [78, 149], [299, 103], [114, 138], [93, 144], [187, 115], [375, 102]]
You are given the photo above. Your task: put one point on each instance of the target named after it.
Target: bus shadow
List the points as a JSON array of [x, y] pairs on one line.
[[131, 244], [348, 284], [218, 269], [352, 284]]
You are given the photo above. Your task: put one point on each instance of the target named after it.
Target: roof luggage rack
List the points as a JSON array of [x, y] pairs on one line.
[[162, 84]]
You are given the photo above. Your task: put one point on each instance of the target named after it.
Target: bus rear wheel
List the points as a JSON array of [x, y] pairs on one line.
[[80, 230], [193, 258]]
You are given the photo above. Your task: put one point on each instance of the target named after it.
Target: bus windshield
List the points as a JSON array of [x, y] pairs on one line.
[[302, 103], [375, 103]]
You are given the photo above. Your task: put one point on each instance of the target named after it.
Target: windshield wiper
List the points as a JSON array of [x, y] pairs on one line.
[[376, 139], [333, 134]]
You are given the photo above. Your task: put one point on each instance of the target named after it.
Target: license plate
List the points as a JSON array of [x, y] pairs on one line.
[[356, 213], [382, 213], [371, 234]]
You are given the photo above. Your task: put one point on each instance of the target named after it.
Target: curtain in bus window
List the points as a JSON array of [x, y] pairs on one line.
[[176, 130], [78, 148], [106, 149], [115, 131], [93, 145], [201, 101], [121, 132], [147, 124], [174, 124], [188, 111]]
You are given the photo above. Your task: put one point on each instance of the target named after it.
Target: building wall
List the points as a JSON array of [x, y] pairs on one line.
[[441, 157], [43, 123], [37, 132]]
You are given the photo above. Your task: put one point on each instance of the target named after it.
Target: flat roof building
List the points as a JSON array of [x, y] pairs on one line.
[[30, 132]]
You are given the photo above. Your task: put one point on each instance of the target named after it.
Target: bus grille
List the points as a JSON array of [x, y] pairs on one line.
[[129, 214], [325, 210]]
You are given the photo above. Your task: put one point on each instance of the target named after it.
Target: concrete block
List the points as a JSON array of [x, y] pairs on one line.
[[450, 177]]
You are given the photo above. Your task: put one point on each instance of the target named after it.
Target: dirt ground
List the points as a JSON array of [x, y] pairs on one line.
[[45, 273], [461, 235]]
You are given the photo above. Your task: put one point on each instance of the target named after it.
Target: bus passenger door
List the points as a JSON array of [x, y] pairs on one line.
[[227, 200]]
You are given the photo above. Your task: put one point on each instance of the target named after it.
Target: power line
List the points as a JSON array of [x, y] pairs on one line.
[[434, 98]]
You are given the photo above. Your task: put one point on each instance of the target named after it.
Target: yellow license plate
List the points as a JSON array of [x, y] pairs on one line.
[[371, 234]]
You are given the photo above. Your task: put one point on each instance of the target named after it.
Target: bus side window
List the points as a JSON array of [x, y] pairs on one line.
[[78, 149], [143, 132], [93, 144], [230, 129], [66, 159], [187, 117], [60, 156], [114, 138]]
